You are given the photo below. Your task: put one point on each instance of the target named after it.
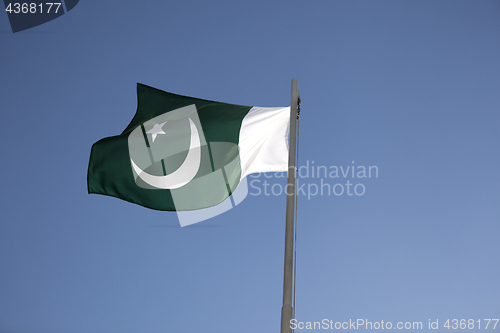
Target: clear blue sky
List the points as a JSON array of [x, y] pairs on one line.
[[412, 87]]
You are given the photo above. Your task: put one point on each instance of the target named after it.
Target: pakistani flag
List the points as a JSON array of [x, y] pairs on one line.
[[180, 153]]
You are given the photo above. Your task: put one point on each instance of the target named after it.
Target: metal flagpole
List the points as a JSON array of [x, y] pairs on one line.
[[287, 312]]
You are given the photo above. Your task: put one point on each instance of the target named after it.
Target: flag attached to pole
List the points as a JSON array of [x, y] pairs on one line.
[[180, 153]]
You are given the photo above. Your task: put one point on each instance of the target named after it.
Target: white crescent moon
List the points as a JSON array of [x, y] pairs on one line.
[[184, 174]]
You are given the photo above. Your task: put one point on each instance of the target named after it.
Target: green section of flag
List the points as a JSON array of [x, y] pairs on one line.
[[110, 172]]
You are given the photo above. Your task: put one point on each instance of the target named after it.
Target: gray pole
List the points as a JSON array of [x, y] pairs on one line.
[[287, 309]]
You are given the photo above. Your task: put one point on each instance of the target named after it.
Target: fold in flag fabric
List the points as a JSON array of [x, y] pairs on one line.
[[181, 153]]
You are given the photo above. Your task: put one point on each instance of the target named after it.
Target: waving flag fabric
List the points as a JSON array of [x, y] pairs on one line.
[[181, 153]]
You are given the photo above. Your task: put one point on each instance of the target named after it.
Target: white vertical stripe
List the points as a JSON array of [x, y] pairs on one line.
[[264, 140]]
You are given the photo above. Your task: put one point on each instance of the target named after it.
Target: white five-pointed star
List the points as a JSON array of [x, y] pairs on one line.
[[156, 130]]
